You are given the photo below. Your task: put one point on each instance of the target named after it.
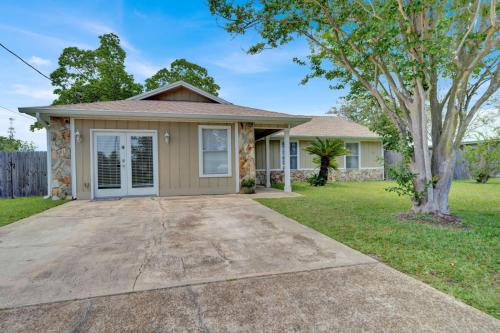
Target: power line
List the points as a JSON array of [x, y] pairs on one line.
[[18, 113], [25, 62]]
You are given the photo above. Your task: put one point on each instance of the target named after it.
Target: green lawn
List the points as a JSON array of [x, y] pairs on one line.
[[12, 210], [463, 262]]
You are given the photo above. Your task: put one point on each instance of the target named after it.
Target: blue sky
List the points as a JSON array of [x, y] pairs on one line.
[[153, 33]]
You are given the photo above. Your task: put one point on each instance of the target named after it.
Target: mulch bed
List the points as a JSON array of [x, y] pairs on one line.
[[445, 220]]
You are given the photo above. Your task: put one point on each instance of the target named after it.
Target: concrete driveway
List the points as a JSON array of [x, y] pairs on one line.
[[208, 264]]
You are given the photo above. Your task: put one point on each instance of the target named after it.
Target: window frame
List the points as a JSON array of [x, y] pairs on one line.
[[349, 155], [201, 155], [282, 154]]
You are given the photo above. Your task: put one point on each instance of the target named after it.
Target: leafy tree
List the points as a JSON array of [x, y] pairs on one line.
[[11, 144], [181, 69], [363, 109], [437, 55], [85, 76], [326, 151], [483, 159]]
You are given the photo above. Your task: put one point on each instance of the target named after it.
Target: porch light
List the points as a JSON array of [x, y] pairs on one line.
[[78, 137], [167, 137]]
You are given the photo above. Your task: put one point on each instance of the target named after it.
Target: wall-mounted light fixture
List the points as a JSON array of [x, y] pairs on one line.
[[167, 137], [78, 137]]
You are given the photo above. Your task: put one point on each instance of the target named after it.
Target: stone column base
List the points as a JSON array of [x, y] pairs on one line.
[[277, 176]]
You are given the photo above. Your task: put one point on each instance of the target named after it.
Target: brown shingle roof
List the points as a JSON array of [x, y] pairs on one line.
[[330, 126], [166, 109], [174, 107]]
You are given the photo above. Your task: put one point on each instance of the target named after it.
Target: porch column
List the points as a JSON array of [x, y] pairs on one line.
[[268, 163], [288, 186], [60, 155], [246, 143]]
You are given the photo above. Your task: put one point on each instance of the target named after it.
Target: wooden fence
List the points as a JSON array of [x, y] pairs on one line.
[[460, 172], [393, 158], [23, 174]]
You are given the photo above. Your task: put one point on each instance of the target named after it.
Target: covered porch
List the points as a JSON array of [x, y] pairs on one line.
[[264, 133]]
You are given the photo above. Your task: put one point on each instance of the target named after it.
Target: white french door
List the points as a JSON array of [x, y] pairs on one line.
[[125, 163]]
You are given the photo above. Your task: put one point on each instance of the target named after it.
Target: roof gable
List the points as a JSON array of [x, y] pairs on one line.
[[331, 126], [179, 91]]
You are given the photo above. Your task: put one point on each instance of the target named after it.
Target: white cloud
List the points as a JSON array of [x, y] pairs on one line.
[[141, 69], [99, 28], [37, 61], [243, 63], [47, 40], [38, 93]]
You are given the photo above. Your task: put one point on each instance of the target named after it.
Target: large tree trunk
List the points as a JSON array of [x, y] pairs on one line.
[[425, 201], [445, 166]]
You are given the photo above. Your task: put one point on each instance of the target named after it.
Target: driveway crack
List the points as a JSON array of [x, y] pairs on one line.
[[140, 272], [199, 311], [219, 251], [83, 318]]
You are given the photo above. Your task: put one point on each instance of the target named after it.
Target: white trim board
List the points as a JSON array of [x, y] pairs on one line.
[[200, 151], [73, 157], [237, 157]]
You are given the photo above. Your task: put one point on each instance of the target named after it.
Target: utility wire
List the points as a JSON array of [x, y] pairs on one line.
[[24, 61], [18, 113]]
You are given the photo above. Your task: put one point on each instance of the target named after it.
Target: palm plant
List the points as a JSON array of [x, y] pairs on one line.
[[326, 151]]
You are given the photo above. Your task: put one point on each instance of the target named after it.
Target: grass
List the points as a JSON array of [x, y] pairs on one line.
[[461, 261], [12, 210]]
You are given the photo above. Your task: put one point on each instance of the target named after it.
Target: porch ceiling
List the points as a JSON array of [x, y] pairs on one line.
[[263, 132]]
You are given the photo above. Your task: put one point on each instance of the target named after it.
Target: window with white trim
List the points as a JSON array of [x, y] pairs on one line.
[[294, 153], [352, 158], [215, 151]]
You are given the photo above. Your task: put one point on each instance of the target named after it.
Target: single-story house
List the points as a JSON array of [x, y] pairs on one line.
[[174, 140], [364, 162]]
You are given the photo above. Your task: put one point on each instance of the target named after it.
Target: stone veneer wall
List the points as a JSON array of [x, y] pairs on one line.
[[60, 157], [246, 147], [277, 176]]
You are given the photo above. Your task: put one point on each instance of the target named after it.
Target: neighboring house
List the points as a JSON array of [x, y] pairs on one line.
[[174, 140], [364, 162]]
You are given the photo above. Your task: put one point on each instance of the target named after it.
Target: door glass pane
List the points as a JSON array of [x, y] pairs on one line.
[[142, 161], [108, 162]]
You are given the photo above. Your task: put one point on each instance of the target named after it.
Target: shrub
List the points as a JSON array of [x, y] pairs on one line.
[[248, 182], [316, 180]]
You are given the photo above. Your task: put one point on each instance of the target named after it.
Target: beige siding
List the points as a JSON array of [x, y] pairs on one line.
[[181, 94], [274, 154], [306, 159], [260, 154], [371, 153], [177, 161], [340, 162]]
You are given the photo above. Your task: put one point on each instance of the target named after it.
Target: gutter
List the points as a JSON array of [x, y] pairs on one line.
[[293, 120]]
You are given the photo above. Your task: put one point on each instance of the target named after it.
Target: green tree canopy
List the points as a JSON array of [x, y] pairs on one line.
[[10, 144], [181, 69], [437, 55], [364, 109], [85, 76]]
